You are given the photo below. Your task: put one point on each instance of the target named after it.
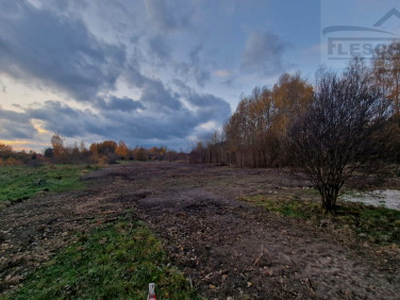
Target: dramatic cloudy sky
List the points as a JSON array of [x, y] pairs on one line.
[[152, 72]]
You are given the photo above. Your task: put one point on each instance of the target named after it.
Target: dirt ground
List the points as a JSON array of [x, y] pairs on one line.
[[224, 246]]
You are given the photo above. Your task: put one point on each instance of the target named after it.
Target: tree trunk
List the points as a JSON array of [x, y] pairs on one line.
[[329, 196]]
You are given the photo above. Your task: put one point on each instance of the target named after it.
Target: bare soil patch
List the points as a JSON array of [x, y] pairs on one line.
[[224, 246]]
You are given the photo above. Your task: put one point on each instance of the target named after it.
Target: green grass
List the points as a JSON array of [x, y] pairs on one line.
[[291, 206], [22, 182], [115, 261], [376, 224]]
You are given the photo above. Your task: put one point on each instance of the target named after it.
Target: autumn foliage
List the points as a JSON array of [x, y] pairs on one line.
[[9, 157], [342, 123], [106, 152], [254, 135]]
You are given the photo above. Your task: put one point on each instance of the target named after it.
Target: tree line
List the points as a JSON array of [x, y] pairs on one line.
[[107, 152], [102, 153], [254, 135], [9, 157], [330, 128]]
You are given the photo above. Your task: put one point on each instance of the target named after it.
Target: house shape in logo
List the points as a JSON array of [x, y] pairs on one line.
[[393, 12]]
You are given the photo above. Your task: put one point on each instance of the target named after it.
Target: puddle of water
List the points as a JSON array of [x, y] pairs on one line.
[[380, 198]]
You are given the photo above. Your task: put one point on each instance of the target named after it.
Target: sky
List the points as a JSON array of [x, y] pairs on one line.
[[158, 72]]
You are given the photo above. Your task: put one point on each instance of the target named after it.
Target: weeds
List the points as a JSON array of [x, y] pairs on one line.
[[115, 261], [22, 182], [376, 224]]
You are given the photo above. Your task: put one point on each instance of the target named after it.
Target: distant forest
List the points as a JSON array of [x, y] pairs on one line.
[[263, 129], [106, 152]]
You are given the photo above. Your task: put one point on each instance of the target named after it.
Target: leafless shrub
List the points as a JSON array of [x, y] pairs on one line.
[[328, 140]]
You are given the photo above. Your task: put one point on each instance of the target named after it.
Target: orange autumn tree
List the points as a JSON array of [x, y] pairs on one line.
[[291, 97], [122, 150], [104, 152], [255, 134], [60, 153]]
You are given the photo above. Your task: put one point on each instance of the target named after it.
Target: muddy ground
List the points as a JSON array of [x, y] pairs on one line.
[[224, 246]]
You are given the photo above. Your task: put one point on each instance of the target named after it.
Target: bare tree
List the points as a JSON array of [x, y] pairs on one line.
[[328, 138]]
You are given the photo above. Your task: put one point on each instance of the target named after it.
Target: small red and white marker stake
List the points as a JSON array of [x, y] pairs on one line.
[[152, 292]]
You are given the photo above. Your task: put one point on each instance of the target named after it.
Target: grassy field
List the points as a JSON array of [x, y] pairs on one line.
[[115, 261], [378, 225], [119, 256], [22, 182]]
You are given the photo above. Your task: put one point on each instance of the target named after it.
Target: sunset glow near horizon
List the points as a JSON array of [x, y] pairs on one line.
[[153, 72]]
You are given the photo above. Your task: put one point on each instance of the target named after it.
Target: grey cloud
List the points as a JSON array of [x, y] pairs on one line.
[[59, 4], [230, 81], [64, 55], [115, 103], [12, 115], [71, 122], [200, 74], [74, 122], [57, 51], [210, 107], [171, 121], [155, 95], [195, 67], [15, 125], [54, 110], [160, 48], [63, 5], [181, 85], [3, 87], [263, 53], [174, 125], [134, 77], [169, 15]]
